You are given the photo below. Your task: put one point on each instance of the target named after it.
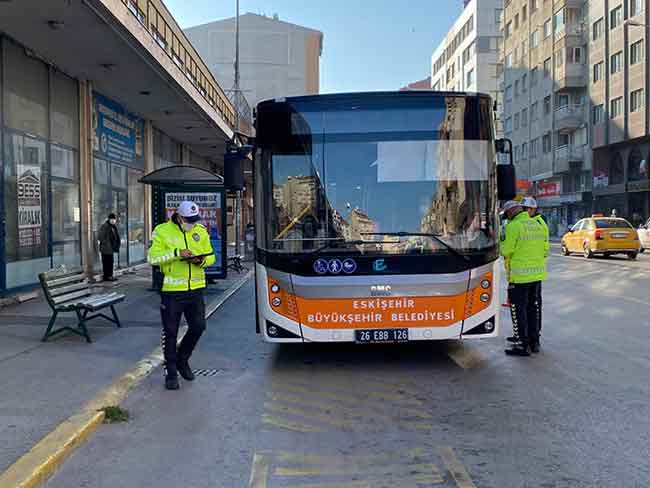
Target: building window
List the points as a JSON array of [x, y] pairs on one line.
[[547, 28], [516, 88], [598, 114], [546, 143], [636, 52], [634, 163], [508, 29], [508, 94], [508, 125], [598, 29], [516, 155], [524, 13], [547, 105], [524, 117], [533, 76], [636, 7], [509, 60], [574, 55], [547, 67], [524, 83], [534, 111], [524, 150], [562, 139], [637, 100], [616, 17], [516, 21], [534, 39], [598, 71], [524, 46], [470, 78], [533, 6], [559, 58], [616, 170], [533, 147], [562, 100], [558, 20], [616, 108], [616, 62], [516, 121]]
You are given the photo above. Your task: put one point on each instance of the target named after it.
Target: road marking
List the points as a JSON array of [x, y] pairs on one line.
[[288, 424], [466, 357], [259, 472], [337, 484], [309, 415], [456, 468]]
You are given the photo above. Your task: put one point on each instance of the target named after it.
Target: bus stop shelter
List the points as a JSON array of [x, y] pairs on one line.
[[172, 185]]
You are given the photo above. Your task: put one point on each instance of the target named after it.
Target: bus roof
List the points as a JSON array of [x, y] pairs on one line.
[[373, 96]]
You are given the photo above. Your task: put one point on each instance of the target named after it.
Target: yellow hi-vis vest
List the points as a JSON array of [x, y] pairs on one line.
[[524, 247], [168, 241]]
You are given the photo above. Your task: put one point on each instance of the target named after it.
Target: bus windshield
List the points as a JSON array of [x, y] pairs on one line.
[[351, 177]]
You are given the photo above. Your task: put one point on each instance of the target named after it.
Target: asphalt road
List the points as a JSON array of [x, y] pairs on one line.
[[442, 415]]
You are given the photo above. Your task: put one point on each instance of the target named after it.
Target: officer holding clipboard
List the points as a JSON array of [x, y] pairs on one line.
[[182, 249]]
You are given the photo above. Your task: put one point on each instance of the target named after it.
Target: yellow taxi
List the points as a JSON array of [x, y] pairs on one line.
[[601, 235]]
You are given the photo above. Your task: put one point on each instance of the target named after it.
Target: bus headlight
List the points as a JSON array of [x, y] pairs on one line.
[[276, 302], [485, 284], [485, 297], [275, 288], [273, 330], [488, 326]]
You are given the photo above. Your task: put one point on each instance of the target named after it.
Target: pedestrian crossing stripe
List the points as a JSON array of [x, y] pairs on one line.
[[411, 468]]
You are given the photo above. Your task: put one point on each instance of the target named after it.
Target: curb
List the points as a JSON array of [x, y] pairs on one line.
[[37, 465]]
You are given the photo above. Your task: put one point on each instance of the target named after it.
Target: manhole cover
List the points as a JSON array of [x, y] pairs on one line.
[[206, 372]]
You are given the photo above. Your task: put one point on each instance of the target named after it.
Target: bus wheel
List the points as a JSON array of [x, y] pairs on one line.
[[587, 251], [632, 255], [565, 250]]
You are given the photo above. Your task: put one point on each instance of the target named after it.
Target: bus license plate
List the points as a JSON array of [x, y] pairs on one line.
[[374, 336]]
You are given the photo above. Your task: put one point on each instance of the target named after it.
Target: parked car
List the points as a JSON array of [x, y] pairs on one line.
[[644, 236], [601, 235]]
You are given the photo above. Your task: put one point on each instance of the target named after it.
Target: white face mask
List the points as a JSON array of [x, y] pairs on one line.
[[187, 226], [113, 221]]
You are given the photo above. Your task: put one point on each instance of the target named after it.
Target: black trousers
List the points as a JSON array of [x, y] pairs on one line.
[[107, 265], [526, 310], [172, 307]]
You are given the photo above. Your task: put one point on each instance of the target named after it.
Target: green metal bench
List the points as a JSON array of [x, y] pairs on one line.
[[70, 291]]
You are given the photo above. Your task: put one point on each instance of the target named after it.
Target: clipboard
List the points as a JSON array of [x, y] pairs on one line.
[[197, 256]]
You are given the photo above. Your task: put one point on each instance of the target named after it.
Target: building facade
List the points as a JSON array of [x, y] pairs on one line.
[[618, 83], [277, 59], [546, 105], [468, 59], [85, 112]]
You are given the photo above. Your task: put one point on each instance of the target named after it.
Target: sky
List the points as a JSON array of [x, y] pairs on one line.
[[368, 44]]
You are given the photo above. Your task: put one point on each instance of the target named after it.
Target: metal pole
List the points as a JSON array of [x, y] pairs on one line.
[[238, 198]]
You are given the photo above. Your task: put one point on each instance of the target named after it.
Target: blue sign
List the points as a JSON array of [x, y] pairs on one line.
[[379, 265], [321, 266], [335, 266], [118, 134], [349, 266]]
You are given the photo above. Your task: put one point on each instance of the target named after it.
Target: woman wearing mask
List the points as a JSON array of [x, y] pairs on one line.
[[109, 244]]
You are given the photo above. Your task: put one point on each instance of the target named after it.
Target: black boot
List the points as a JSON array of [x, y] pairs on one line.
[[171, 382], [518, 349], [183, 367], [512, 339], [534, 347]]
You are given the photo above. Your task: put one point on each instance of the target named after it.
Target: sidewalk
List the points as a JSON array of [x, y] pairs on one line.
[[41, 384]]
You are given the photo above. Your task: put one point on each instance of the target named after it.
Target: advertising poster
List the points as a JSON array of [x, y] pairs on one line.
[[212, 215], [118, 134], [548, 189], [29, 206]]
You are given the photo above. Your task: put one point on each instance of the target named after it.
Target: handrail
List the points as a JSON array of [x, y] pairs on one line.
[[173, 41]]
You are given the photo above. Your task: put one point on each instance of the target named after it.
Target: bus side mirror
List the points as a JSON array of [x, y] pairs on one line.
[[506, 182]]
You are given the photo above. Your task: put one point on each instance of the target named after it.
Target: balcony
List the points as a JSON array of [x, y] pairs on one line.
[[571, 75], [569, 117], [577, 30], [569, 158]]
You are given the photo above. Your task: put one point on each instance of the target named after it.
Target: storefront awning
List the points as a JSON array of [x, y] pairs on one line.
[[182, 176]]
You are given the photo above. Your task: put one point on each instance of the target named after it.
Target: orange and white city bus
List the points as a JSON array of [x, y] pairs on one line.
[[376, 217]]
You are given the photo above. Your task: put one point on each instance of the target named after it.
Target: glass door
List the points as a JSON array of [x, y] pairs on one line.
[[119, 199]]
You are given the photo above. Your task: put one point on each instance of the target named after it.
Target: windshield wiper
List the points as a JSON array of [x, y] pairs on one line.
[[435, 237], [342, 240]]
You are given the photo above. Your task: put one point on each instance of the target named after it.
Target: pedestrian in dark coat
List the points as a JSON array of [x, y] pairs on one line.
[[109, 244]]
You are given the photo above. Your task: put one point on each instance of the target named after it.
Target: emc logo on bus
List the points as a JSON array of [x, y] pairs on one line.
[[379, 265]]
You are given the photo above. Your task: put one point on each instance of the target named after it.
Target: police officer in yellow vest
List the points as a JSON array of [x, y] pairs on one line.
[[182, 249], [524, 246]]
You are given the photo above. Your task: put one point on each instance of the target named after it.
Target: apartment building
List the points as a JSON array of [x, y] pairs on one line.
[[468, 58], [546, 108], [619, 75]]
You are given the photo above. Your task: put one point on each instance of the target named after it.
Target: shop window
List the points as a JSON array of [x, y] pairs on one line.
[[616, 171], [136, 242], [66, 213], [64, 117], [26, 92], [26, 209], [634, 165]]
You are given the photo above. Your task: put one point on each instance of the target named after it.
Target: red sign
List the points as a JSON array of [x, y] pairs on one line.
[[524, 185], [548, 189]]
